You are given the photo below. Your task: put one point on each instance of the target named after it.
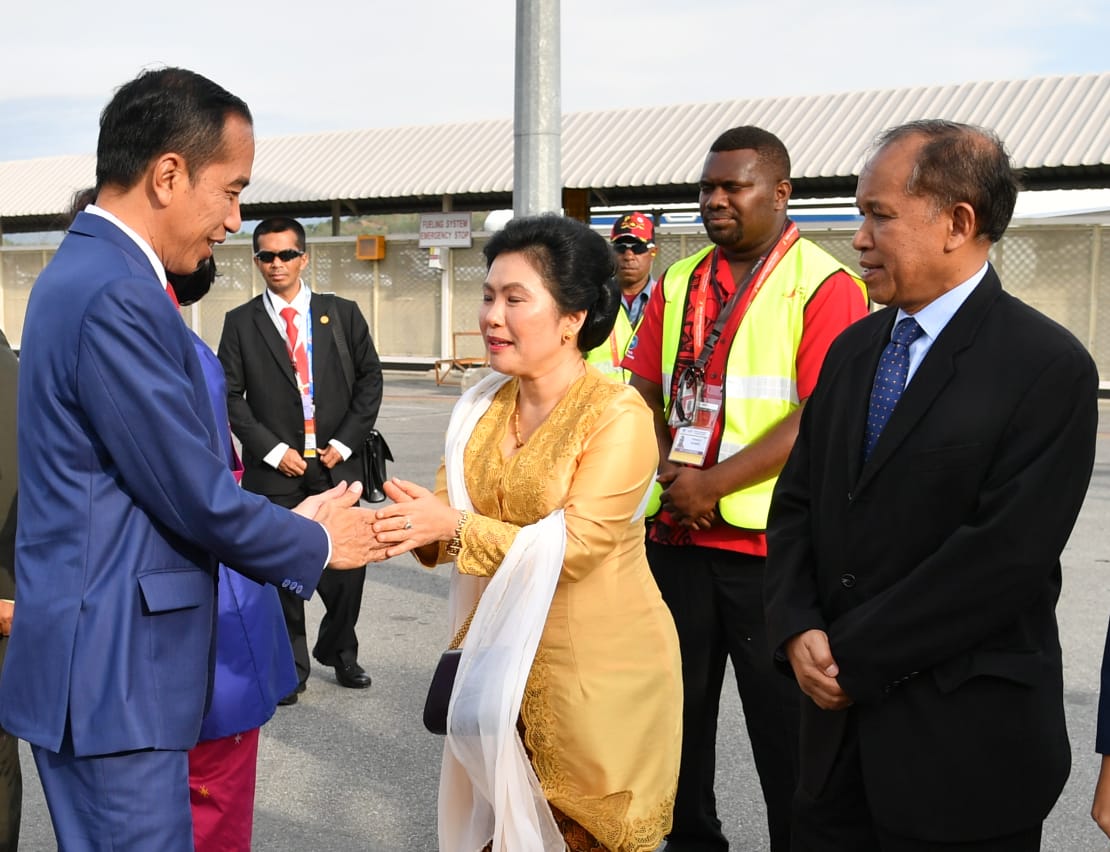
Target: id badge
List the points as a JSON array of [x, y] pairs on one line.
[[309, 427], [691, 443]]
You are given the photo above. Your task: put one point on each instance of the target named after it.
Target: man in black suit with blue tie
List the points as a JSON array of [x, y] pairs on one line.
[[916, 530]]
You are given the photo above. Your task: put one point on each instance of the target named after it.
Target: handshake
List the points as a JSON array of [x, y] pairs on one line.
[[355, 531]]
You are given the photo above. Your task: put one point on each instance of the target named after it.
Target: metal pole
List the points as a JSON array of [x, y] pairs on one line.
[[447, 291], [537, 124]]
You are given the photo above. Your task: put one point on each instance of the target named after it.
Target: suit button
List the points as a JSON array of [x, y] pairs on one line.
[[847, 580]]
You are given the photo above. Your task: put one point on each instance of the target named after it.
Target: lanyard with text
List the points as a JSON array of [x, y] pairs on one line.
[[694, 407], [302, 372], [754, 280], [308, 392]]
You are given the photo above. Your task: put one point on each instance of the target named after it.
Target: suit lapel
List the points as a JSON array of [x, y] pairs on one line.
[[323, 341], [273, 341], [864, 364], [932, 376]]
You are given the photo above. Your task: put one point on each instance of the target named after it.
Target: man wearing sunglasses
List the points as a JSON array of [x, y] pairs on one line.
[[300, 421], [633, 241], [728, 350]]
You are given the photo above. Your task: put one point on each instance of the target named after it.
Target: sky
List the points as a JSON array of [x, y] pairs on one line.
[[347, 65]]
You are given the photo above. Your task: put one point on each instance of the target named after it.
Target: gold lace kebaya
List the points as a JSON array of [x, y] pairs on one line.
[[602, 707]]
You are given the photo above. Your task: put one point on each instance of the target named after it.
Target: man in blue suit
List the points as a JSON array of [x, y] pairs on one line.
[[126, 503]]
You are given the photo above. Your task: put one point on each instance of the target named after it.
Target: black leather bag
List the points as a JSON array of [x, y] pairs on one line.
[[439, 692], [375, 452]]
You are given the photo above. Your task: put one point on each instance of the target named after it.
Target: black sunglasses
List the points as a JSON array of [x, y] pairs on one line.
[[285, 256], [636, 247]]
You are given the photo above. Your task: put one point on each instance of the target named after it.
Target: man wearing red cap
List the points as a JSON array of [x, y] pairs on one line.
[[633, 239]]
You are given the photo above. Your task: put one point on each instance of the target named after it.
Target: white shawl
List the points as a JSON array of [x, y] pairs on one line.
[[487, 785]]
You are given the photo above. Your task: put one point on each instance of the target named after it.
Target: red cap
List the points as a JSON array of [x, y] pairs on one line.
[[635, 225]]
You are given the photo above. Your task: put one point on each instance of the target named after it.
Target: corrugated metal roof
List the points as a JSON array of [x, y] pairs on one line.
[[1058, 130]]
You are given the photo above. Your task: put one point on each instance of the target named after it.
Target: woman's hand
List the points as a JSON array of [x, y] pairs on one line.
[[416, 518]]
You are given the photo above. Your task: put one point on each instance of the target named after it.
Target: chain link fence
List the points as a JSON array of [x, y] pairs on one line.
[[412, 306]]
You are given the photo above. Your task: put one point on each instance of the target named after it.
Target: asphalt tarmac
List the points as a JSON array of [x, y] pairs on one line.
[[345, 770]]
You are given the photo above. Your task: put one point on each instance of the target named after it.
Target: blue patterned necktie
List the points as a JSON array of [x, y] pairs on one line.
[[890, 381]]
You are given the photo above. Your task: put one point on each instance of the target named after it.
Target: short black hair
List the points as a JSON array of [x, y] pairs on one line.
[[575, 263], [167, 109], [276, 225], [961, 163], [766, 145]]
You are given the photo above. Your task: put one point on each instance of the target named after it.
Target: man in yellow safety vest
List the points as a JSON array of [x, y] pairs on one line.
[[727, 352], [633, 240]]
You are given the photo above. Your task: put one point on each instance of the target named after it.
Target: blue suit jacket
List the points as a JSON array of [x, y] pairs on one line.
[[126, 507]]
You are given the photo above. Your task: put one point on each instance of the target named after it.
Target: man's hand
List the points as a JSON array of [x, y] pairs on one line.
[[353, 543], [416, 519], [292, 464], [686, 497], [7, 612], [815, 669], [330, 457]]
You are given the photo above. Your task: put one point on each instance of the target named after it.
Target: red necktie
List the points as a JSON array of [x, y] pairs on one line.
[[173, 296], [296, 354], [299, 356]]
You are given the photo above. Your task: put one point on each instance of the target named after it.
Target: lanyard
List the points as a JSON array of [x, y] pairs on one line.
[[310, 390], [754, 280], [306, 390]]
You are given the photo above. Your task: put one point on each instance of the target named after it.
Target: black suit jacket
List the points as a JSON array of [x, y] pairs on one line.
[[934, 566], [263, 401]]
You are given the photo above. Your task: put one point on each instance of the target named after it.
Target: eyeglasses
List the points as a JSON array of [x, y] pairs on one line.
[[286, 256], [636, 247]]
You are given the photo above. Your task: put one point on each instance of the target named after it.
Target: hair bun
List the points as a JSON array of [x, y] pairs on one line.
[[601, 315]]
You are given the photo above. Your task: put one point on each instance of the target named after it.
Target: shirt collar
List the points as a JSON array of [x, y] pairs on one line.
[[935, 316], [643, 295], [300, 302], [155, 262]]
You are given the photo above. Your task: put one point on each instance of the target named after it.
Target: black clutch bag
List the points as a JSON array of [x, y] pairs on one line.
[[439, 692], [375, 452]]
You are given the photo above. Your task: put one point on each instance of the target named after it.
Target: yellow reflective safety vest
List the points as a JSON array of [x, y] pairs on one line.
[[607, 357], [761, 381]]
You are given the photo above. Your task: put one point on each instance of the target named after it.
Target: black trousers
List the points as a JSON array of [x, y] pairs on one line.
[[840, 817], [716, 599], [11, 791], [340, 592]]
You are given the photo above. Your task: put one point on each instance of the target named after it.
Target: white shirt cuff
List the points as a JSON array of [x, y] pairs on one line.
[[341, 448], [274, 457]]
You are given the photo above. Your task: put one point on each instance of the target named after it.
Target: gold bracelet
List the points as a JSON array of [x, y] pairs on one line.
[[455, 544]]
